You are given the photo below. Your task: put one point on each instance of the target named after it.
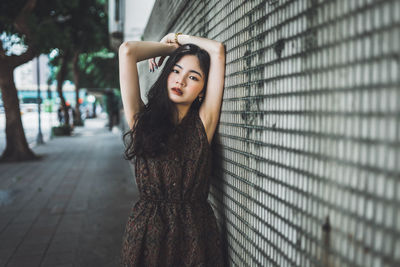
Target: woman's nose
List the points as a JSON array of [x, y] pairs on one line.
[[179, 80]]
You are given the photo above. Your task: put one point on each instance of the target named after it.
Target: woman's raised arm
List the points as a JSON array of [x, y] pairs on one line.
[[129, 54]]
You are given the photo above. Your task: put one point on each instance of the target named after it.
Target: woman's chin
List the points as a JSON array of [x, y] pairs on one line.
[[175, 98], [179, 101]]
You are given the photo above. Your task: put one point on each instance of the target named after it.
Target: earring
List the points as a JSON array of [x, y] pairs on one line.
[[200, 99]]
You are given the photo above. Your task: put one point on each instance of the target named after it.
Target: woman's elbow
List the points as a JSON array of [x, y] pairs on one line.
[[127, 48], [220, 50]]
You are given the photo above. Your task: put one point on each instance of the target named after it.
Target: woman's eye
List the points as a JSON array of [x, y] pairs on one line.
[[176, 71], [194, 78]]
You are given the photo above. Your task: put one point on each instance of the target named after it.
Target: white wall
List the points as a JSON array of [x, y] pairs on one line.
[[137, 14], [113, 24], [25, 76]]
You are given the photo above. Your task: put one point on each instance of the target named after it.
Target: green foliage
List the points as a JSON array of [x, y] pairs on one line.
[[87, 32], [45, 24], [99, 69], [9, 10], [75, 25]]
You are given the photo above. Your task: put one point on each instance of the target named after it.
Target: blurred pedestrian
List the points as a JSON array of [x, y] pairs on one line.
[[60, 115], [71, 113], [112, 109]]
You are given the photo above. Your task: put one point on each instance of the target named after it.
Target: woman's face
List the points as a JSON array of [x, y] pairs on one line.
[[187, 78]]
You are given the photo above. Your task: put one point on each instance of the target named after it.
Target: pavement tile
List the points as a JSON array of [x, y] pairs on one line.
[[57, 208], [71, 228], [37, 229], [37, 203], [15, 230], [10, 243], [62, 196], [5, 254], [26, 216], [62, 247], [28, 261], [68, 237], [6, 217], [38, 239], [47, 220], [53, 259], [28, 249]]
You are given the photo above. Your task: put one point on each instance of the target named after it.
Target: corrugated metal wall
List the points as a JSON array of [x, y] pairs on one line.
[[307, 153]]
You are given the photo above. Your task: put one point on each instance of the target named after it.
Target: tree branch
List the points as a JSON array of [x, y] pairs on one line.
[[28, 55], [2, 51], [22, 27], [20, 22]]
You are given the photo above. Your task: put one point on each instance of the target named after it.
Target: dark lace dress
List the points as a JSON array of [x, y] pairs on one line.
[[173, 223]]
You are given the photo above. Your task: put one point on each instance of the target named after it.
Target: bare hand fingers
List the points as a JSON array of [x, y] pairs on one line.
[[152, 64]]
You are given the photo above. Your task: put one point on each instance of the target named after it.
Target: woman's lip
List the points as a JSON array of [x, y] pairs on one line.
[[174, 89]]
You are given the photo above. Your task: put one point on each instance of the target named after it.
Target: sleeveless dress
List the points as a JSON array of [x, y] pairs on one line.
[[173, 224]]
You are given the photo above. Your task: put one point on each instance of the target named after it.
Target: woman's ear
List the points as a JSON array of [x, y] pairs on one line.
[[201, 93]]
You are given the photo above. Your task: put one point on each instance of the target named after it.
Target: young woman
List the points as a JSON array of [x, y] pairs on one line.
[[172, 224]]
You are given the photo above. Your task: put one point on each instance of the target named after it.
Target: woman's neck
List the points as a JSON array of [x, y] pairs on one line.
[[182, 111]]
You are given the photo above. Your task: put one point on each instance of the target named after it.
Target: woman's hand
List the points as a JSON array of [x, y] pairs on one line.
[[167, 39]]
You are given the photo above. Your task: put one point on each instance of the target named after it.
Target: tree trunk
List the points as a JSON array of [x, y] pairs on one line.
[[17, 148], [77, 119], [62, 73]]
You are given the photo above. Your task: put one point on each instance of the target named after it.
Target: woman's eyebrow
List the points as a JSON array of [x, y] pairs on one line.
[[189, 70]]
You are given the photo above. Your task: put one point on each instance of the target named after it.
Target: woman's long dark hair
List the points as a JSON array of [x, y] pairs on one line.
[[154, 123]]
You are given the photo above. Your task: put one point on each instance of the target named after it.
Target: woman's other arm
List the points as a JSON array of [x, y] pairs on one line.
[[129, 54]]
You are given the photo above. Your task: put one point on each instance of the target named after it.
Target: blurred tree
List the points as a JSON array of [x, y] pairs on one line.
[[73, 27], [18, 25], [99, 69], [85, 33]]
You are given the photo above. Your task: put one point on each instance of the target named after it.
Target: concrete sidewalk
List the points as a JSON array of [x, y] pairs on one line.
[[70, 208]]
